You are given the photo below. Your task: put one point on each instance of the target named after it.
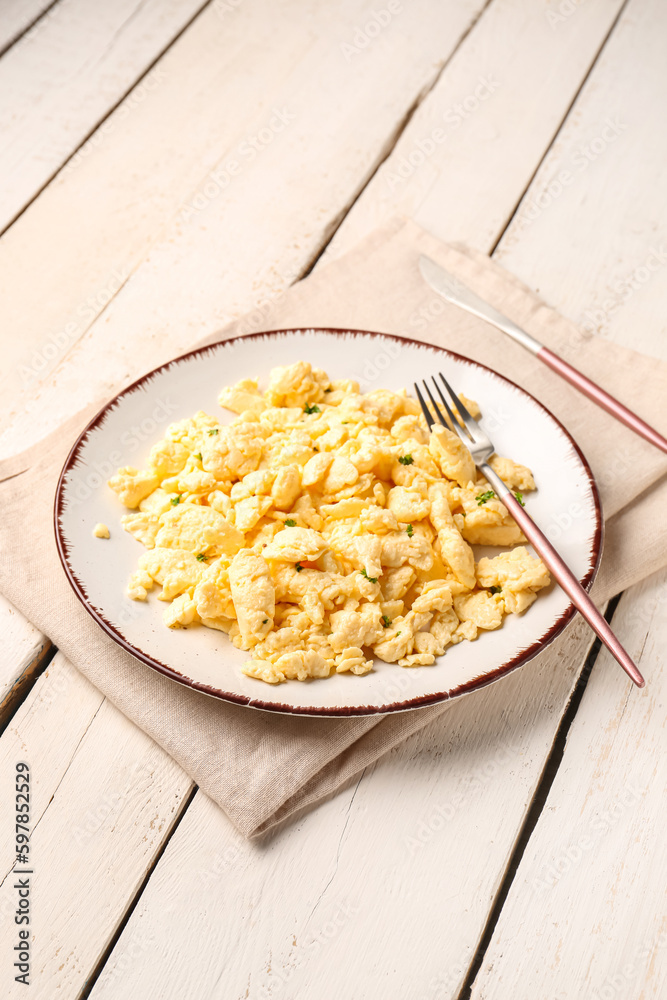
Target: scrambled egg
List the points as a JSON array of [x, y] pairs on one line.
[[323, 528]]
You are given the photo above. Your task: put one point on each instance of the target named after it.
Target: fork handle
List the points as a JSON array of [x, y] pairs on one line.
[[563, 575], [602, 398]]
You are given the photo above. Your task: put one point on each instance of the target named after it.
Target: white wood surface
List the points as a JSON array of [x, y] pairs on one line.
[[208, 245], [23, 651], [384, 890], [464, 184], [343, 902], [103, 800], [65, 74], [17, 16], [586, 915], [608, 221]]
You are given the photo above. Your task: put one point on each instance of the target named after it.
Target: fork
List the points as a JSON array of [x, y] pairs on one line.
[[481, 448]]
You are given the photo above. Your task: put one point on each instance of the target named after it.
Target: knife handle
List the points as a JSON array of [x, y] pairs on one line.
[[602, 398]]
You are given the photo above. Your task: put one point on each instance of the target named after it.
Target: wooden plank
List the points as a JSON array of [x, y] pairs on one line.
[[265, 93], [470, 150], [599, 196], [386, 886], [17, 16], [66, 74], [24, 651], [104, 798], [603, 828]]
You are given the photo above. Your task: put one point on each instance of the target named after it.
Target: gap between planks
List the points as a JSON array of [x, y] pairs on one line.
[[564, 119], [603, 836], [95, 974], [20, 31], [551, 766], [26, 655], [99, 122], [392, 142], [492, 245], [82, 792]]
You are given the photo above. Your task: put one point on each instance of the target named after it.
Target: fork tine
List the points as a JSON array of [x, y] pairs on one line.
[[463, 432], [436, 408], [467, 418], [425, 410], [453, 423]]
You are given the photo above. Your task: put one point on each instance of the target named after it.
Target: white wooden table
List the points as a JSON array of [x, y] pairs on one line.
[[515, 851]]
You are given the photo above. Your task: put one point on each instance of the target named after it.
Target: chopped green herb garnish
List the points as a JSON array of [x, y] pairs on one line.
[[495, 590], [329, 389], [386, 621], [214, 430], [265, 621], [345, 421], [298, 567], [311, 409], [410, 531], [483, 497], [202, 558], [176, 500], [406, 459], [371, 579], [397, 634], [290, 522], [198, 455], [519, 498]]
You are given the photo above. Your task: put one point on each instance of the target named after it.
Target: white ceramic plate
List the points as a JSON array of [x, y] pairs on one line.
[[566, 506]]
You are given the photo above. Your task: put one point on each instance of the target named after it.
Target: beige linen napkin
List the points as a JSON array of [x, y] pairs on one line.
[[259, 767]]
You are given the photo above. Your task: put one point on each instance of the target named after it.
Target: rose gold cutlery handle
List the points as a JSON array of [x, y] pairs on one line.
[[602, 398], [453, 290], [564, 576]]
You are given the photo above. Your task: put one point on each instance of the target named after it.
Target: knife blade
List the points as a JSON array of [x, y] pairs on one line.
[[453, 290]]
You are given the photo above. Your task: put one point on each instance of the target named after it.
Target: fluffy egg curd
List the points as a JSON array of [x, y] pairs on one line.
[[324, 527]]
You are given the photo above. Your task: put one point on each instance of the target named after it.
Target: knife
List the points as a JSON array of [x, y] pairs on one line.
[[453, 290]]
